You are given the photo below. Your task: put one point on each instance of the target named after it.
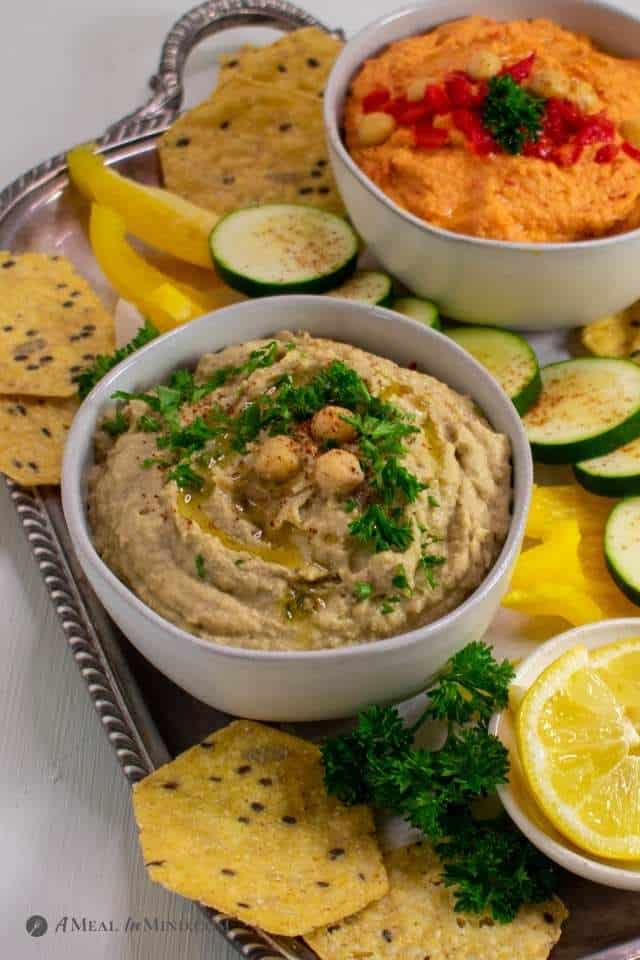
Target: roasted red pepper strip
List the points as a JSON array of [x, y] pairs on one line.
[[567, 155], [596, 129], [459, 90], [396, 107], [521, 70], [630, 150], [606, 154], [427, 137], [436, 99], [375, 100], [540, 148]]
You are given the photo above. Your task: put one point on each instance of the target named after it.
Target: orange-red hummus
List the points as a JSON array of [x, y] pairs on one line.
[[504, 196]]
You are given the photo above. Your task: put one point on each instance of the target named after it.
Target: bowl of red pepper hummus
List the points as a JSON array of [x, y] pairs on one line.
[[490, 156]]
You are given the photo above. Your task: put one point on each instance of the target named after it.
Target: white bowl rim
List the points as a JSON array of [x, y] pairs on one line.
[[75, 514], [332, 128], [583, 864]]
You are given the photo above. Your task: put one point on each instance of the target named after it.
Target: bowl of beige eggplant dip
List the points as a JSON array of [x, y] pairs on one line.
[[297, 495]]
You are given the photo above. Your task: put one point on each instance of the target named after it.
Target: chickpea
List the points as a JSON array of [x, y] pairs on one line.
[[585, 96], [548, 82], [375, 128], [277, 459], [630, 130], [416, 89], [338, 471], [327, 424], [484, 64]]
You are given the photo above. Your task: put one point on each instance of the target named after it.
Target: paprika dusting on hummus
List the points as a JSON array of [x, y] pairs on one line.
[[297, 494], [519, 131]]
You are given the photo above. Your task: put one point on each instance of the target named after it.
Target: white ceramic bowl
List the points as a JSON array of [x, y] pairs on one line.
[[297, 685], [519, 805], [525, 285]]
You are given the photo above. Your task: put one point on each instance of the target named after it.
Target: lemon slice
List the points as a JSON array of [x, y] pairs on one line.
[[578, 736]]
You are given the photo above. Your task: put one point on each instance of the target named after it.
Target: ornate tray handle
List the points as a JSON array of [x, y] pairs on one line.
[[200, 22]]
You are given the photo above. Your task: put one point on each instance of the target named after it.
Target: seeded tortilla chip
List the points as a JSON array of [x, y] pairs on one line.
[[33, 431], [615, 336], [250, 143], [243, 823], [300, 60], [416, 920], [52, 325]]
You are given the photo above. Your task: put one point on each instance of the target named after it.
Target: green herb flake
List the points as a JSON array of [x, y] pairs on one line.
[[512, 114], [431, 500], [116, 425], [186, 478], [389, 604], [350, 505], [149, 424], [200, 566], [399, 580], [87, 379], [362, 590]]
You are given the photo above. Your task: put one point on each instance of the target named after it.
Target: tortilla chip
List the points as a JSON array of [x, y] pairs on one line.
[[52, 325], [615, 336], [250, 143], [416, 920], [243, 823], [33, 431], [300, 60]]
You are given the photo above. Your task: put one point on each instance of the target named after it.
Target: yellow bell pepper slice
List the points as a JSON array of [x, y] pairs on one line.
[[555, 560], [555, 600], [158, 217], [165, 302]]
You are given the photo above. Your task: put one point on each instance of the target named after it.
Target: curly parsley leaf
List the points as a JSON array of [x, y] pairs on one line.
[[512, 113], [378, 529], [87, 379], [116, 425], [471, 685]]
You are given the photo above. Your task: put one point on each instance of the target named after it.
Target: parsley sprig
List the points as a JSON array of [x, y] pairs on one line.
[[87, 379], [489, 863], [512, 113]]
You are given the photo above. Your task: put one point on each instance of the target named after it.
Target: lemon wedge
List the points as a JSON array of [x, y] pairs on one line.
[[578, 730]]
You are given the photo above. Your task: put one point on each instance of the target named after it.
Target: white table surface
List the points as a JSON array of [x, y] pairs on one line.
[[67, 836]]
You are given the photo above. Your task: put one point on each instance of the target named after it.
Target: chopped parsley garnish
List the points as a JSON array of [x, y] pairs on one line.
[[512, 114], [149, 424], [431, 500], [350, 505], [154, 462], [200, 566], [116, 425], [427, 562], [381, 530], [399, 580], [490, 865], [87, 379], [362, 590], [186, 477], [389, 604]]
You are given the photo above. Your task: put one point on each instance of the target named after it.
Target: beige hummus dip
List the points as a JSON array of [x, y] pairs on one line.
[[259, 553], [502, 196]]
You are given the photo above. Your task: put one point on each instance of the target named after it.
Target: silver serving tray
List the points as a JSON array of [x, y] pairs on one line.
[[145, 716]]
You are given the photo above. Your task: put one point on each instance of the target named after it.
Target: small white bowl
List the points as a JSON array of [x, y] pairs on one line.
[[313, 685], [514, 795], [536, 286]]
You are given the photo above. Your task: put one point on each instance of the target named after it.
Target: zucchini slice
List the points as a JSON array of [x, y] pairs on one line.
[[508, 358], [366, 286], [424, 311], [616, 474], [588, 407], [622, 547], [283, 248]]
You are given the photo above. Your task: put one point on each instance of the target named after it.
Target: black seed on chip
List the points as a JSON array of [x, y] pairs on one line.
[[265, 781], [321, 163], [336, 852], [284, 127], [548, 917], [245, 768], [316, 173], [87, 356], [322, 883], [183, 142], [282, 68], [8, 328], [241, 903], [90, 327], [54, 258], [8, 263], [323, 190], [170, 785], [207, 746], [18, 464], [61, 286], [32, 366], [232, 63], [288, 819], [225, 124], [304, 191], [227, 872], [155, 863], [461, 923], [75, 293], [312, 62], [20, 357], [387, 935], [229, 179], [30, 333], [22, 410], [333, 928], [362, 876], [243, 820], [216, 779], [74, 336], [46, 359], [34, 466], [45, 431], [321, 94], [76, 368], [258, 807], [67, 303]]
